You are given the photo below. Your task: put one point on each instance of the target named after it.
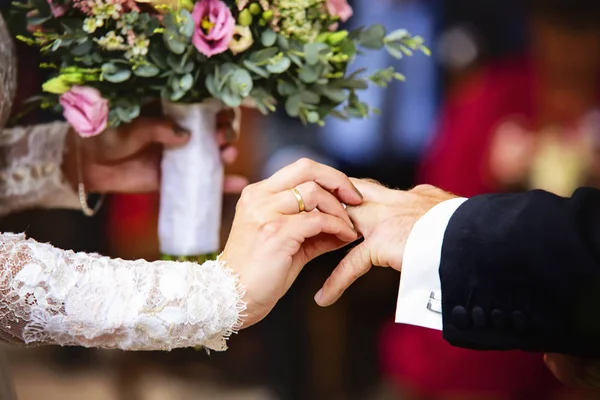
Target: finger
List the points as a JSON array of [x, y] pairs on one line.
[[308, 225], [138, 175], [312, 248], [229, 154], [234, 184], [314, 197], [370, 188], [228, 126], [306, 170], [319, 245], [356, 263], [145, 131]]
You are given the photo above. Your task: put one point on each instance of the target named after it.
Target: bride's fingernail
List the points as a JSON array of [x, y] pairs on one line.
[[318, 295]]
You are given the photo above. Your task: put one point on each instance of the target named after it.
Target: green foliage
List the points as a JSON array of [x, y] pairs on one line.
[[310, 79]]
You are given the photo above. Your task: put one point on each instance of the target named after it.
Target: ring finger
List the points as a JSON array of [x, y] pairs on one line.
[[314, 197]]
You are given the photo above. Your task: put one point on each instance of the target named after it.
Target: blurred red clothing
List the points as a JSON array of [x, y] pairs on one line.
[[457, 159], [419, 358]]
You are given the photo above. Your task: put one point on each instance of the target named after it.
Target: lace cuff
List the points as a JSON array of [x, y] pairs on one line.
[[30, 173], [51, 296]]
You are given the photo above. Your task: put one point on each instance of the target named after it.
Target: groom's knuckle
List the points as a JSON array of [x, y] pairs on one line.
[[305, 165], [423, 188]]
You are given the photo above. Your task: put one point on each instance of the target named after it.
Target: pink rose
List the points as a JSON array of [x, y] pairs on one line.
[[57, 9], [339, 8], [214, 27], [85, 109]]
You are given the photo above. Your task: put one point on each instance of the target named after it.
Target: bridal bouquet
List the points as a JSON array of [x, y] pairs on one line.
[[110, 57]]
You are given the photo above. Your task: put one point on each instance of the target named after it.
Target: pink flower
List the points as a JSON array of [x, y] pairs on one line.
[[339, 8], [214, 27], [85, 109], [57, 10]]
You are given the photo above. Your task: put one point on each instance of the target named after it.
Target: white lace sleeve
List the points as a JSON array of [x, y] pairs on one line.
[[30, 168], [52, 296]]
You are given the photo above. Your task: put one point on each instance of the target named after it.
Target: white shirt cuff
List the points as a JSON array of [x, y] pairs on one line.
[[419, 296]]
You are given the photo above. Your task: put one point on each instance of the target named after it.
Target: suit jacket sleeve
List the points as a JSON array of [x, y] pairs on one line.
[[522, 271]]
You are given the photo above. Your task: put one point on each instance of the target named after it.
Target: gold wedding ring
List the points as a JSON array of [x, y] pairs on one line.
[[301, 205]]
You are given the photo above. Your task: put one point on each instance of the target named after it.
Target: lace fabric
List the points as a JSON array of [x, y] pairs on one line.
[[52, 296], [30, 173]]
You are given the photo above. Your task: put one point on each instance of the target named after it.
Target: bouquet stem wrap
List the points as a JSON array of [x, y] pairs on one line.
[[192, 185]]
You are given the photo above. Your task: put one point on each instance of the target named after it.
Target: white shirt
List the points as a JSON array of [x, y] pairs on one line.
[[419, 296]]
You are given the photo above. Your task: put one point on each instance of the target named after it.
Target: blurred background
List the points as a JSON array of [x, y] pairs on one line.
[[508, 102]]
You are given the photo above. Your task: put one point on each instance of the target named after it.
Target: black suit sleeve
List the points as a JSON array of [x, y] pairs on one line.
[[522, 271]]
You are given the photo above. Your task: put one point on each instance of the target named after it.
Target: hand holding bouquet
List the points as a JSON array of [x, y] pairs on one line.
[[110, 57]]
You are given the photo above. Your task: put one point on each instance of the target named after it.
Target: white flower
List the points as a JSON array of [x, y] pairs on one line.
[[112, 42], [242, 39], [90, 25]]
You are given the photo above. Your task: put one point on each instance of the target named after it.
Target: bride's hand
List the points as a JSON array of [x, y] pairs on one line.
[[127, 159], [271, 240]]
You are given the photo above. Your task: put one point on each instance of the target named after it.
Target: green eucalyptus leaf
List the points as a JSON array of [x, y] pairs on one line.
[[151, 26], [260, 71], [36, 21], [188, 67], [292, 105], [177, 95], [57, 43], [336, 95], [263, 55], [170, 22], [309, 73], [211, 85], [312, 51], [146, 70], [356, 73], [268, 38], [350, 84], [348, 48], [82, 48], [283, 42], [186, 27], [286, 88], [279, 66], [72, 24], [397, 35], [241, 83], [372, 37], [158, 58], [231, 99], [310, 97], [338, 114], [295, 59], [113, 74], [394, 52], [174, 43], [186, 82], [174, 63]]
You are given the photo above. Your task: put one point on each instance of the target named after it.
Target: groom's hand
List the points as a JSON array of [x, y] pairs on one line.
[[385, 219]]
